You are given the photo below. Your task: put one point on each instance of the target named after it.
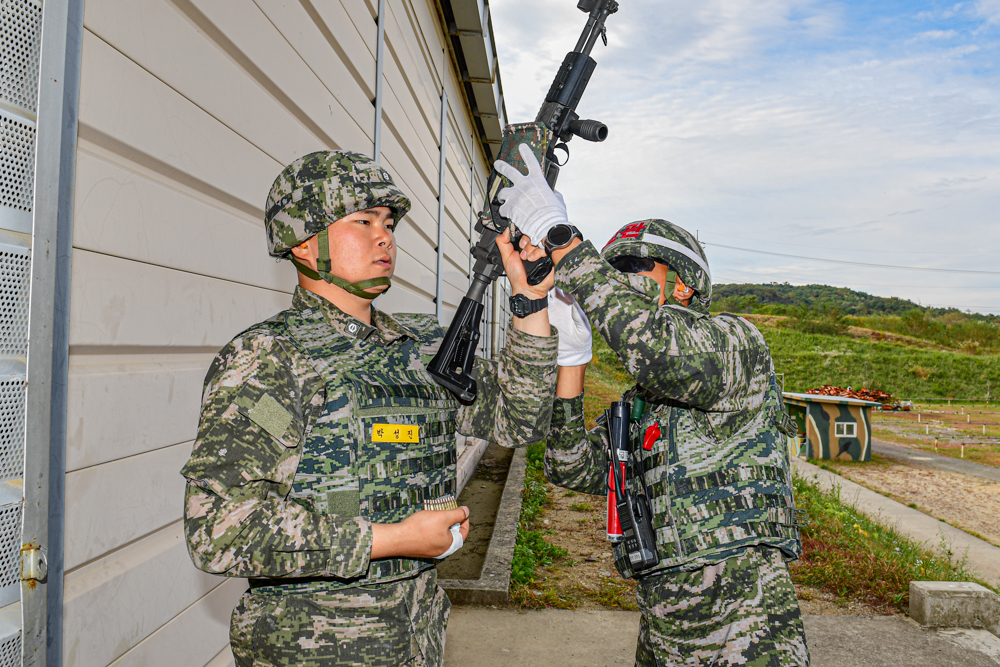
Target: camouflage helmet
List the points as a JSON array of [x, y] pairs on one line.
[[321, 188], [675, 247]]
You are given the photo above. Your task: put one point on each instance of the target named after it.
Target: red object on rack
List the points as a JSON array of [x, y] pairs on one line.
[[652, 435]]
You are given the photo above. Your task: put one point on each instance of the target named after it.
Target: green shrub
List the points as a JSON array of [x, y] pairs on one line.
[[810, 360], [531, 549], [822, 319]]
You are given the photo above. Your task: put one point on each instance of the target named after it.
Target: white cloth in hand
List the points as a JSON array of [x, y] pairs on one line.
[[456, 541], [530, 204], [575, 338]]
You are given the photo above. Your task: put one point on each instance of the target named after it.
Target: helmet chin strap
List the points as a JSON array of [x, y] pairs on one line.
[[324, 267], [668, 289]]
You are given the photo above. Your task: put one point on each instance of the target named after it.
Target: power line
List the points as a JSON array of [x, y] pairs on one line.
[[844, 261], [878, 250]]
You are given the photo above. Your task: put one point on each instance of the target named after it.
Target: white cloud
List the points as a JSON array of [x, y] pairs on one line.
[[989, 10], [937, 34], [764, 121]]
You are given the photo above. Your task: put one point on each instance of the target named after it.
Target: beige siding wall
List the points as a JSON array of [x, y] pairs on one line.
[[189, 109]]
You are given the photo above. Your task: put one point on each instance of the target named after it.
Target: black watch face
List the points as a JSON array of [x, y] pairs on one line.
[[560, 235], [518, 305]]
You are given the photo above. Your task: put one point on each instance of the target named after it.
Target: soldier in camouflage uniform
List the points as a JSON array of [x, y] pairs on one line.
[[322, 435], [711, 441]]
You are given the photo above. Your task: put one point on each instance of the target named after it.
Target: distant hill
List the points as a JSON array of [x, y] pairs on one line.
[[812, 360], [737, 297], [821, 309]]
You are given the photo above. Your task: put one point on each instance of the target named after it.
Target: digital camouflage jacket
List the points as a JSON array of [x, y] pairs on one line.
[[274, 488], [718, 472]]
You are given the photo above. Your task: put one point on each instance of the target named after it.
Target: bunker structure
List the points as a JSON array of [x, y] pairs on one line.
[[138, 142], [831, 427]]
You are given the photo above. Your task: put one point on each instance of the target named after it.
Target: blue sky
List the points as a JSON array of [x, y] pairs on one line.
[[865, 132]]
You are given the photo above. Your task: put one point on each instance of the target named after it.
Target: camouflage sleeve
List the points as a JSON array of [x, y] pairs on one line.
[[513, 407], [257, 404], [574, 458], [710, 363]]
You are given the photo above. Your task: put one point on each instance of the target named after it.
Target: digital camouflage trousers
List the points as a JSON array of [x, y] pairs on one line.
[[400, 623], [742, 611]]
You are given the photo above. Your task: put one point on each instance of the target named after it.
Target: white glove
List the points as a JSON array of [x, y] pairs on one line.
[[456, 541], [575, 339], [530, 204]]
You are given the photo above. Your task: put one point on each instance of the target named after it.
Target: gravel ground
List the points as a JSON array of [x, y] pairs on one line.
[[969, 503]]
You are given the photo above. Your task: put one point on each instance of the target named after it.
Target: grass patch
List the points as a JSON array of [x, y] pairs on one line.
[[532, 549], [810, 359], [605, 382], [616, 593], [863, 559], [547, 597]]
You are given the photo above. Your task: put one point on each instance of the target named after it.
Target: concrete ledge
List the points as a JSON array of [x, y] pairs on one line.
[[470, 450], [492, 586], [954, 604]]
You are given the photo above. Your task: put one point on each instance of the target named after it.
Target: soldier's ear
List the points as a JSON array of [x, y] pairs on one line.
[[305, 252], [301, 251]]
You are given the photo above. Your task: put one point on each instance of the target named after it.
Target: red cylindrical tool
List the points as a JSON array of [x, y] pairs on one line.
[[614, 525]]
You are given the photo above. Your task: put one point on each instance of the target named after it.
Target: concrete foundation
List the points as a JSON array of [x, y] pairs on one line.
[[953, 604], [492, 586]]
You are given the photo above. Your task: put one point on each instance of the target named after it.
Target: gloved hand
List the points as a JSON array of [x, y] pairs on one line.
[[530, 204], [575, 337], [456, 541]]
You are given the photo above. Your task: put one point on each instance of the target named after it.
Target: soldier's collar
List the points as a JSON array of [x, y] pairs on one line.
[[304, 300], [387, 327]]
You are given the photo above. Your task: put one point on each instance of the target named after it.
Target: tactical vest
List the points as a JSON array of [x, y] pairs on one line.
[[709, 498], [350, 464]]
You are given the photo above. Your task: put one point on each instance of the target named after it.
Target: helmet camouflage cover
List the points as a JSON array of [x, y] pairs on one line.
[[319, 189], [674, 246]]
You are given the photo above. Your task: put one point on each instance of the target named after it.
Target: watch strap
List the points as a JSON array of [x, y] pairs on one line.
[[522, 306]]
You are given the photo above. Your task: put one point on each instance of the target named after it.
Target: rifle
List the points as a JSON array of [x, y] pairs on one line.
[[556, 123]]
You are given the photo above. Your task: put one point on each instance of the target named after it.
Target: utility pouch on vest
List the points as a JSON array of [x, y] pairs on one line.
[[397, 475], [634, 511], [347, 465], [709, 497]]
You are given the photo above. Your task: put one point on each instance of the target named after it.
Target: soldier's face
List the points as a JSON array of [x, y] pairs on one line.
[[681, 292], [362, 246]]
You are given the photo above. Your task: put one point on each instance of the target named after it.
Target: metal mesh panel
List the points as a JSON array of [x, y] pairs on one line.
[[14, 280], [17, 162], [10, 650], [10, 544], [11, 428], [20, 21]]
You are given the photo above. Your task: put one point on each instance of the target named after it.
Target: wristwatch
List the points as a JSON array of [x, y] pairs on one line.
[[522, 306], [560, 236]]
